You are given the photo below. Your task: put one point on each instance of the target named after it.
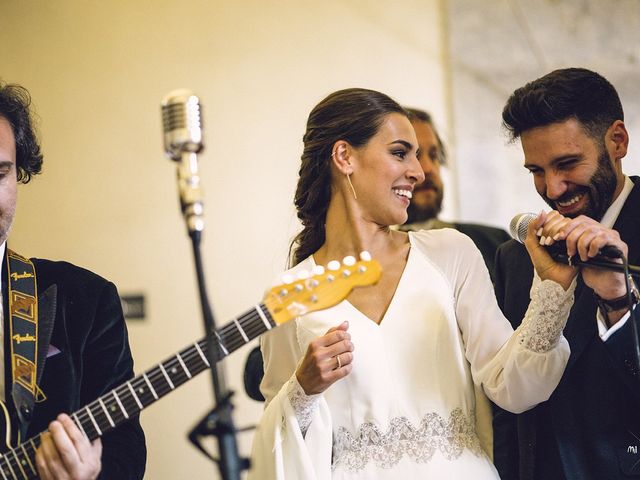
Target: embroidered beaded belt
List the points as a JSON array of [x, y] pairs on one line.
[[434, 433]]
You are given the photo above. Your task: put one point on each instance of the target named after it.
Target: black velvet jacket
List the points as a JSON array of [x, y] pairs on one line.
[[83, 353]]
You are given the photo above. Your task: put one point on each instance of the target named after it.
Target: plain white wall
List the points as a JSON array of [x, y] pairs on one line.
[[107, 198], [497, 46]]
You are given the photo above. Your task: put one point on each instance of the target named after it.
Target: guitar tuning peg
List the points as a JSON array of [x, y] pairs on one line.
[[349, 261], [318, 270], [287, 278], [303, 274], [333, 265], [365, 256]]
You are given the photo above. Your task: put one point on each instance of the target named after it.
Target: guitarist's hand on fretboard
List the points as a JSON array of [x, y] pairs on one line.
[[65, 453]]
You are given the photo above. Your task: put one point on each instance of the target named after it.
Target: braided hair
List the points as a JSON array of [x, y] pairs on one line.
[[353, 115]]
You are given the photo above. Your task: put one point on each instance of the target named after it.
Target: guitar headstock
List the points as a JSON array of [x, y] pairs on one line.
[[321, 289]]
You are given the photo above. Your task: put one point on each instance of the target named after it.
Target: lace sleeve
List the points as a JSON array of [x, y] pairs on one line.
[[303, 405], [546, 316]]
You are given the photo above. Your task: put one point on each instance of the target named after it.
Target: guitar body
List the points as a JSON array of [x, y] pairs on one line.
[[5, 429]]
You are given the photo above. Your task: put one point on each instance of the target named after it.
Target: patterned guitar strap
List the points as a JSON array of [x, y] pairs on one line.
[[22, 292]]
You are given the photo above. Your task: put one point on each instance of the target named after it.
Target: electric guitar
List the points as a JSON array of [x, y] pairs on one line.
[[282, 303]]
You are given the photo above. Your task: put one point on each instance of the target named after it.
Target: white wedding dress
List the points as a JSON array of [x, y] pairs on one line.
[[413, 406]]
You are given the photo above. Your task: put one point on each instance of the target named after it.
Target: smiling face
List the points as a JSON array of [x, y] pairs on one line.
[[8, 178], [573, 172], [427, 196], [386, 170]]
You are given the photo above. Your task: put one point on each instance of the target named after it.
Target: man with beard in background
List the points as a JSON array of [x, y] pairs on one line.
[[571, 126], [426, 202]]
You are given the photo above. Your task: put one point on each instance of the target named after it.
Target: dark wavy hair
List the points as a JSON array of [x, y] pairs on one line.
[[14, 107], [353, 115], [560, 95]]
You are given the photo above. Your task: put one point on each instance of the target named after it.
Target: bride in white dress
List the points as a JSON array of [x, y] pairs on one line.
[[391, 382]]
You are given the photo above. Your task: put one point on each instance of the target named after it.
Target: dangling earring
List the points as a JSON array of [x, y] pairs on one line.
[[353, 190]]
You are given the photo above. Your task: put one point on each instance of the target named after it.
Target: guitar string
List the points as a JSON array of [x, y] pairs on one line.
[[12, 458], [128, 401], [247, 323]]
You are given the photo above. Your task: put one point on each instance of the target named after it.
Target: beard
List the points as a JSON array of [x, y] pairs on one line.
[[422, 213], [6, 222], [602, 185]]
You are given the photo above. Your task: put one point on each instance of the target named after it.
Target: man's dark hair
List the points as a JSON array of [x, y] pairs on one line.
[[561, 95], [14, 107], [416, 115]]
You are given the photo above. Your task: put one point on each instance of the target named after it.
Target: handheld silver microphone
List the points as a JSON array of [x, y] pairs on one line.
[[518, 230], [182, 127], [519, 225]]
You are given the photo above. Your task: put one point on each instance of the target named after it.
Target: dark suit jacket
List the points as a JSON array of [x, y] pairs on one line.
[[590, 427], [81, 316]]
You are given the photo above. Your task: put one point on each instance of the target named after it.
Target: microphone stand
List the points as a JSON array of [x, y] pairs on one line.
[[218, 422]]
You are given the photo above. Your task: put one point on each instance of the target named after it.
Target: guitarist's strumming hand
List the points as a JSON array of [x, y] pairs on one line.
[[327, 360], [65, 453]]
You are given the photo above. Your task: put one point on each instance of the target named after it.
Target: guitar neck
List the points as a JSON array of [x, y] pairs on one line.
[[130, 398]]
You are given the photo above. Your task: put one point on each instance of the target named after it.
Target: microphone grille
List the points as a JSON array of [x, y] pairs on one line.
[[519, 225], [181, 123]]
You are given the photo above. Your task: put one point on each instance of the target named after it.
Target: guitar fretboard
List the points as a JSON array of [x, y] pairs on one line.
[[127, 400]]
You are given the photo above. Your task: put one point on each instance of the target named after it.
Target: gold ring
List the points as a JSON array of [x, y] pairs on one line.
[[339, 362]]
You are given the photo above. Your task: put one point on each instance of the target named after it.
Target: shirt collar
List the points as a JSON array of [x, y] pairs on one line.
[[611, 215], [3, 247]]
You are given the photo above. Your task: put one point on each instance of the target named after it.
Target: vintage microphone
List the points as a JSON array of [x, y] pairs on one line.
[[182, 127]]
